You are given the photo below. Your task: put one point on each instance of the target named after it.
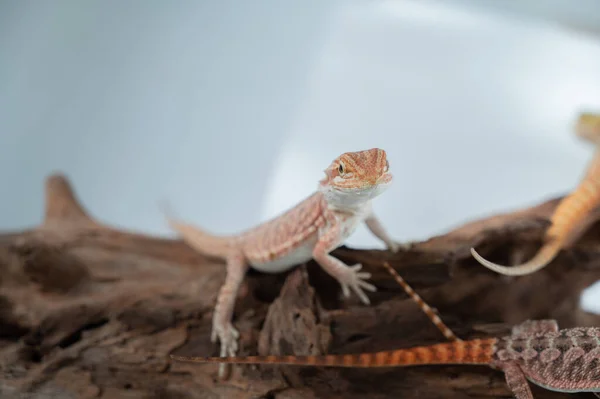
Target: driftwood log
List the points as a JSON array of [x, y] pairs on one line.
[[87, 311]]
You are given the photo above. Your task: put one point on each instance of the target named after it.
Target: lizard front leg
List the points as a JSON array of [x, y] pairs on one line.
[[222, 328], [376, 227], [516, 381], [349, 277]]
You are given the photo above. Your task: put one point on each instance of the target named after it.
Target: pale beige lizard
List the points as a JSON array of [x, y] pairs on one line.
[[310, 230], [575, 213]]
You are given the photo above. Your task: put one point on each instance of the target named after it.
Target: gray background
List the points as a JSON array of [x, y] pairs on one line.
[[230, 110]]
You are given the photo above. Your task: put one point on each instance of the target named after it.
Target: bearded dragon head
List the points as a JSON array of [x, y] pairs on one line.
[[587, 127], [356, 177]]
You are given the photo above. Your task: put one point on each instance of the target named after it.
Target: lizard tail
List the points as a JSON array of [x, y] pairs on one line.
[[567, 221], [196, 238], [477, 351], [587, 126], [425, 308], [539, 261]]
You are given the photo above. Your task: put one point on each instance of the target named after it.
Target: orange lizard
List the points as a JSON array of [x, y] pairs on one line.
[[575, 213]]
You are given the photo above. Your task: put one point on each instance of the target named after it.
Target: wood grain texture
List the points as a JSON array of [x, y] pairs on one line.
[[91, 311]]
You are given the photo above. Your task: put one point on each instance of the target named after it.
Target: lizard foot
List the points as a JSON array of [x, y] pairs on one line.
[[404, 246], [227, 335], [350, 278]]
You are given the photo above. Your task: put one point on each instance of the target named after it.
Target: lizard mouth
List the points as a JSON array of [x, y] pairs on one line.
[[385, 178], [382, 181]]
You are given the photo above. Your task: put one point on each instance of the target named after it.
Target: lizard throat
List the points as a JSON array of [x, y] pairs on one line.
[[351, 198]]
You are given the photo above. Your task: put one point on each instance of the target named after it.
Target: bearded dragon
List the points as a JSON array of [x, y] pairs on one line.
[[557, 360], [573, 216], [310, 230]]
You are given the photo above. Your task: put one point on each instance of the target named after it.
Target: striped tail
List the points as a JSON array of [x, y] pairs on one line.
[[196, 238], [448, 333], [569, 220], [477, 351]]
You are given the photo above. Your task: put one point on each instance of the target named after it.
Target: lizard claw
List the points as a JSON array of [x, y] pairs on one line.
[[228, 336], [351, 279]]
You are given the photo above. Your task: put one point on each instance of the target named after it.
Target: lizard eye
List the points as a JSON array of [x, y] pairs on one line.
[[341, 169], [387, 166]]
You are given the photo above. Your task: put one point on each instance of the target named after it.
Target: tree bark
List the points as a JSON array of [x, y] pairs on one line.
[[88, 311]]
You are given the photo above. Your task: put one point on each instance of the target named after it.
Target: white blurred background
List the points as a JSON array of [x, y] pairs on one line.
[[230, 110]]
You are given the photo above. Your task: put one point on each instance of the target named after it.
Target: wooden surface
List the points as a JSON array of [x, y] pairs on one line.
[[90, 311]]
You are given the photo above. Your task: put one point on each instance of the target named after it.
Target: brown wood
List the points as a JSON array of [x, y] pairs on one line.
[[87, 310]]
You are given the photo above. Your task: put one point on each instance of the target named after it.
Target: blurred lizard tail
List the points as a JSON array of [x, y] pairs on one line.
[[200, 240], [477, 351], [544, 256], [570, 219]]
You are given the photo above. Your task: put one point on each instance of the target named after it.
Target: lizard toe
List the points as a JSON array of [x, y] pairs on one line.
[[352, 279], [345, 290], [355, 268], [228, 337], [361, 294], [232, 350], [367, 286], [363, 275]]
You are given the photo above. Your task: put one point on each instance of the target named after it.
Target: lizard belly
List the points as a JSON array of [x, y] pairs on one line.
[[581, 387], [296, 256], [348, 222], [551, 388]]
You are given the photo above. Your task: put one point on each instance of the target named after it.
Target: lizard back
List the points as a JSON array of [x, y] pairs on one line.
[[567, 360], [281, 235]]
